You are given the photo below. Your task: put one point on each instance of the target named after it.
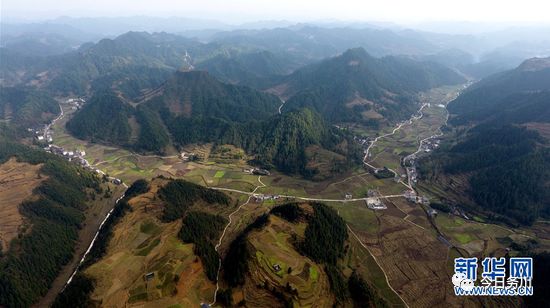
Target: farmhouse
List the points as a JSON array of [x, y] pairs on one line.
[[374, 203], [261, 172]]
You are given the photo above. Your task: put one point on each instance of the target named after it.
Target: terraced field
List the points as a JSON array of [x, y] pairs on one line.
[[141, 245], [17, 181], [276, 265]]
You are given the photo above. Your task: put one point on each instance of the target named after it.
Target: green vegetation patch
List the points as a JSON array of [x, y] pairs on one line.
[[149, 227], [219, 174], [463, 238]]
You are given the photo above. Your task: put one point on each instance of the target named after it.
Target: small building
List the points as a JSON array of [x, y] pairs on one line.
[[117, 181], [40, 138], [261, 172], [276, 267], [374, 203], [410, 195], [348, 196], [149, 276], [432, 212]]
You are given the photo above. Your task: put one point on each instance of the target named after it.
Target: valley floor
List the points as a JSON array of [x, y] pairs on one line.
[[400, 248]]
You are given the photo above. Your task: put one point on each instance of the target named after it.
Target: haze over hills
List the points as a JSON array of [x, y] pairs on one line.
[[184, 162]]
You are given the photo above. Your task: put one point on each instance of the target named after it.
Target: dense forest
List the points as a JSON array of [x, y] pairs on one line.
[[508, 166], [55, 216], [25, 107], [203, 230], [516, 96], [103, 118], [509, 171], [180, 195], [325, 235], [250, 68], [289, 211]]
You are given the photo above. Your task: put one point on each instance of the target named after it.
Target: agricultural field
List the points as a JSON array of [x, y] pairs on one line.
[[141, 244], [18, 180], [276, 264], [397, 249]]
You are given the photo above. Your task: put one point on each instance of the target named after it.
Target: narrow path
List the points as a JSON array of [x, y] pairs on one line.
[[376, 260], [95, 238], [282, 104], [223, 235]]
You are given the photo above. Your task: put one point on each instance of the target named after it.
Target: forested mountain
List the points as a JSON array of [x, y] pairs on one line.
[[490, 95], [25, 107], [506, 152], [53, 217], [193, 107], [104, 118], [248, 68], [129, 54], [358, 87]]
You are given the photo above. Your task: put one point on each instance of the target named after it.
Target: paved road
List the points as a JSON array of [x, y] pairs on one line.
[[282, 104], [413, 118]]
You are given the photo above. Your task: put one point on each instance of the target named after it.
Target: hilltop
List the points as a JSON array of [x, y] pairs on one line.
[[356, 87]]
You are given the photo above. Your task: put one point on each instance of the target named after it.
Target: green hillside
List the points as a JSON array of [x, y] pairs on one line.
[[356, 87], [505, 154], [26, 107], [54, 216]]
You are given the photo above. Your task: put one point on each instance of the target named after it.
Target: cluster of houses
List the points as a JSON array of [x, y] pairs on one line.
[[261, 197], [77, 156], [256, 171], [413, 197], [412, 174], [41, 134], [365, 141], [429, 145], [76, 103]]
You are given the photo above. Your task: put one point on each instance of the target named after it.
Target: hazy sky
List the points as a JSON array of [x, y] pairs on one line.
[[235, 11]]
